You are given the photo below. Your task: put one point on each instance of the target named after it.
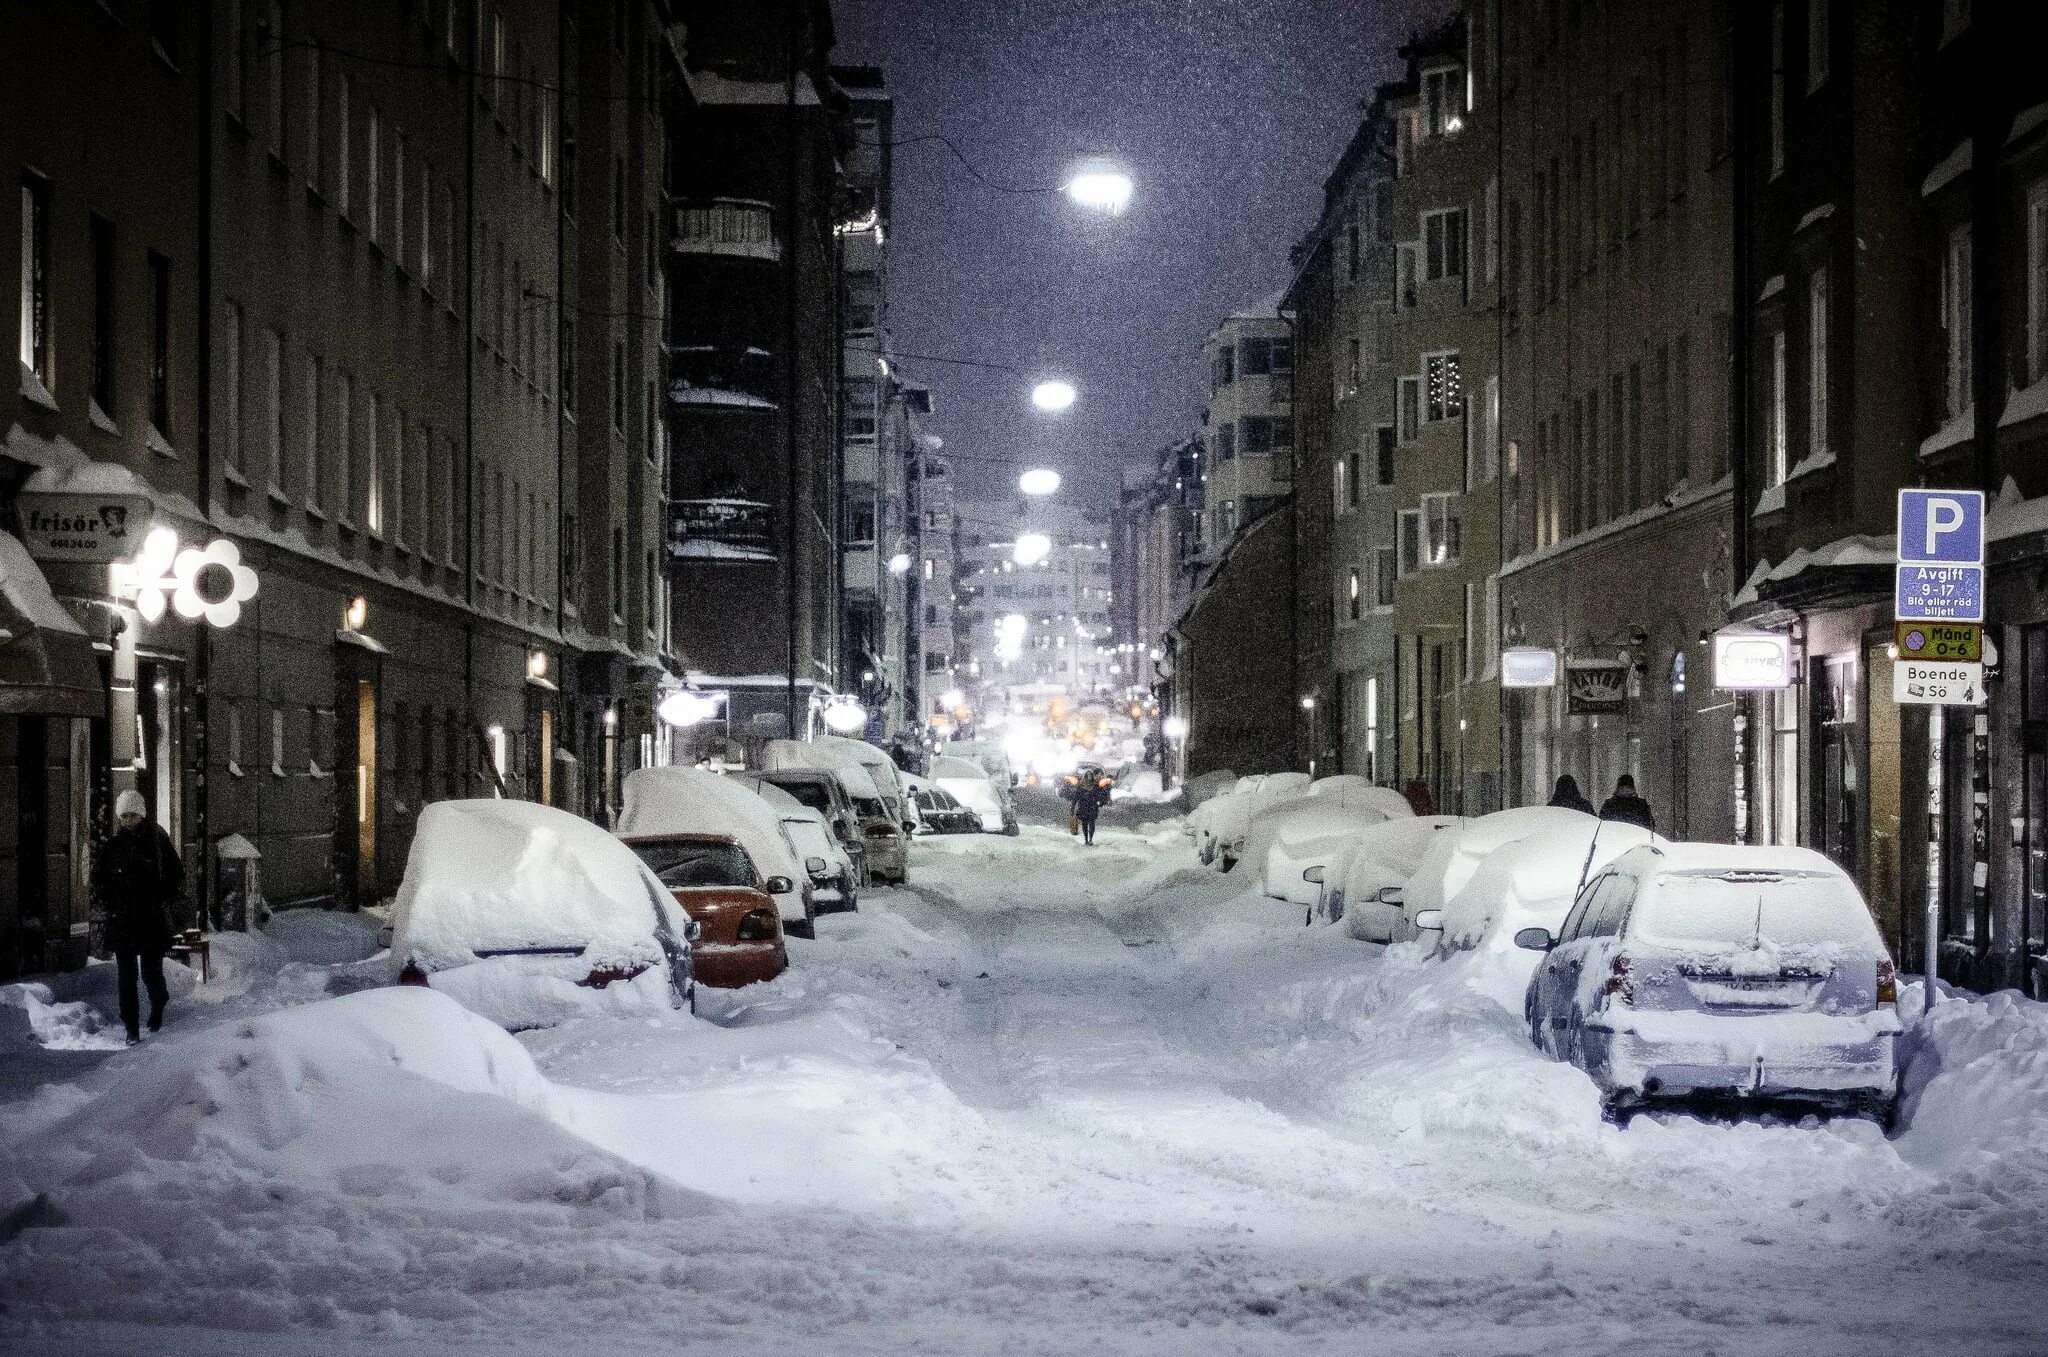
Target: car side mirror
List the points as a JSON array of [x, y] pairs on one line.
[[1391, 895], [779, 885], [1429, 920], [693, 930], [1535, 939], [1313, 875], [815, 866]]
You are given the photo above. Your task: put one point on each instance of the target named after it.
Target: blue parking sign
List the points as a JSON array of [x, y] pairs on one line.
[[1940, 593], [1941, 527]]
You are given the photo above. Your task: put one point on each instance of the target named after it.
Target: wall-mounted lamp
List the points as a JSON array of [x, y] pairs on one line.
[[356, 614]]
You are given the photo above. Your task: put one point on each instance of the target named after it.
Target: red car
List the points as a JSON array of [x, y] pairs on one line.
[[716, 883]]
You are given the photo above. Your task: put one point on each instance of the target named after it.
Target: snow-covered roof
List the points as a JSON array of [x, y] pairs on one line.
[[712, 88], [1956, 162], [28, 593], [683, 393], [1727, 857]]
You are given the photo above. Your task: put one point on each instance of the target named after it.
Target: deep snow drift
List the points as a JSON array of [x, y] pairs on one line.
[[1045, 1100]]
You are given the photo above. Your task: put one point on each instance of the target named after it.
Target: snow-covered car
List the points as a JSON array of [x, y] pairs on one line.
[[1711, 971], [1377, 858], [835, 881], [938, 812], [1221, 822], [511, 908], [973, 788], [883, 835], [1287, 838], [987, 755], [712, 877], [679, 800], [1531, 882], [822, 790], [1454, 856]]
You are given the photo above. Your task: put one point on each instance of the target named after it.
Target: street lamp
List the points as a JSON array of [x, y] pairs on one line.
[[1031, 548], [899, 564], [1100, 187], [1039, 480], [1054, 395]]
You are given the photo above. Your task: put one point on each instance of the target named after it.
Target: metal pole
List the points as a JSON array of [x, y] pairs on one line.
[[1933, 942]]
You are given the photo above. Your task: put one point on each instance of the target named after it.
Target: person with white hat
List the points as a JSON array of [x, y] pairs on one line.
[[138, 877]]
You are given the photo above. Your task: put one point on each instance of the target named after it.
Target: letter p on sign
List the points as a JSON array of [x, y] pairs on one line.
[[1941, 527]]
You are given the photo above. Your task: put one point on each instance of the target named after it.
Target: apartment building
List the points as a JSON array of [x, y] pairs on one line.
[[1446, 486], [931, 597], [1039, 626], [1342, 302], [1616, 296], [756, 351], [1248, 427]]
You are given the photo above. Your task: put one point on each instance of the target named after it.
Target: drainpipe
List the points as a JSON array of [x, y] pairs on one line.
[[202, 659], [791, 385]]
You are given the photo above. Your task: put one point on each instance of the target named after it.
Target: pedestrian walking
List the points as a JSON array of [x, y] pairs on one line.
[[1091, 794], [138, 876], [1626, 807], [1568, 795]]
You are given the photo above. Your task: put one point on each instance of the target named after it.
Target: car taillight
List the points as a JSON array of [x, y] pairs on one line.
[[413, 975], [1887, 982], [757, 925], [604, 975], [1620, 986]]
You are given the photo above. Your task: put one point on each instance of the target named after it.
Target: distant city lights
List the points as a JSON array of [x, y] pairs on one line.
[[1031, 548]]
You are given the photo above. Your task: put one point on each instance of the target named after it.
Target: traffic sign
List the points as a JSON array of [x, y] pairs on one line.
[[1941, 527], [1939, 593], [1939, 641], [1938, 683]]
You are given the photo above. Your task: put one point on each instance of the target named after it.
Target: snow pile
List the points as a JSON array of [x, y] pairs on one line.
[[1976, 1109], [32, 1014], [313, 1167]]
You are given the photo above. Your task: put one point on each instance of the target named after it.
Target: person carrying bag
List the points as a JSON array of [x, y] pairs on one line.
[[138, 876]]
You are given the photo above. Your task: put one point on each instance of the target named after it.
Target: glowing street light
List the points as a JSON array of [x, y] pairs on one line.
[[845, 715], [1031, 548], [1174, 727], [899, 564], [952, 698], [1100, 187], [1039, 480], [1053, 395]]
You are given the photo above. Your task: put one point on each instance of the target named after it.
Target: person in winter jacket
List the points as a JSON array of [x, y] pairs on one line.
[[1091, 787], [1419, 798], [138, 877], [1567, 795], [1626, 807]]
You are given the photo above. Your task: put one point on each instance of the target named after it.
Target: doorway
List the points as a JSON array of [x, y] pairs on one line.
[[1838, 811], [366, 788], [357, 803]]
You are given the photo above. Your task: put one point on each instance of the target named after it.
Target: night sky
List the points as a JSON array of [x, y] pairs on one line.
[[1227, 113]]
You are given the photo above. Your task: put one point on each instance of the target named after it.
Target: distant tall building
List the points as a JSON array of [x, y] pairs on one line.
[[1248, 433], [1038, 628]]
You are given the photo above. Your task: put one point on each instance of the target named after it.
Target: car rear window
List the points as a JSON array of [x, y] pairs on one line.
[[682, 865], [1738, 908], [813, 794]]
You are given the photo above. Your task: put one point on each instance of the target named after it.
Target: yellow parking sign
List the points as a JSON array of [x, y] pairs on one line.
[[1940, 641]]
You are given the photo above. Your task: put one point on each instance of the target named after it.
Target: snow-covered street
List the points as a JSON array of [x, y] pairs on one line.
[[1042, 1100]]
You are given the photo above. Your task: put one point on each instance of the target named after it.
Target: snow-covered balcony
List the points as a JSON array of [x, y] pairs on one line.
[[740, 227]]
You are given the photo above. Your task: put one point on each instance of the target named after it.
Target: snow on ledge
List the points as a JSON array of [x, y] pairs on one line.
[[1959, 428], [1821, 213], [682, 393], [1770, 501], [33, 390], [2026, 122], [1671, 504], [1954, 163], [1868, 549], [1772, 287], [2025, 405]]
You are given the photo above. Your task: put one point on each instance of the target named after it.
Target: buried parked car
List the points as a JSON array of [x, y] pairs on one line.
[[674, 800], [884, 830], [518, 911], [987, 797], [712, 877], [1702, 971]]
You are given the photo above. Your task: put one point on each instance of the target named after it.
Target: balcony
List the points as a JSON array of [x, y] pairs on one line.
[[736, 227]]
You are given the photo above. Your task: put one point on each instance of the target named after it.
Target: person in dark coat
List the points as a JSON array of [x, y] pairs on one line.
[[1626, 807], [1091, 794], [1567, 795], [138, 877], [1419, 799]]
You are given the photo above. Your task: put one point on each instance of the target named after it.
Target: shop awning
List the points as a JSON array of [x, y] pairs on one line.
[[47, 666]]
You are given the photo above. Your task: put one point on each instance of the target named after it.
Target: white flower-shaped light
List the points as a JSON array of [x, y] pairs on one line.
[[845, 715], [212, 582]]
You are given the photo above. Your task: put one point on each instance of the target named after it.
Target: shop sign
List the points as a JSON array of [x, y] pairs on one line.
[[1940, 641], [1938, 683], [1528, 667], [734, 530], [1595, 687], [65, 526], [1752, 660]]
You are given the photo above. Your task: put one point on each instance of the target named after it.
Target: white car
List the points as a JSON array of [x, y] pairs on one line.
[[512, 908], [1709, 972], [1232, 816], [679, 800], [1362, 883], [1453, 858], [1286, 839], [976, 790]]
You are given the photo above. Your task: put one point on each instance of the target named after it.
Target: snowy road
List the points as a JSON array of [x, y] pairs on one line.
[[1043, 1101]]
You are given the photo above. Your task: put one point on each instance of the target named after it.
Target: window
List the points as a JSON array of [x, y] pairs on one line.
[[314, 451], [1443, 397], [373, 187], [618, 574], [451, 481], [1817, 40], [1406, 262], [1261, 357], [343, 136], [102, 244], [1443, 101], [1777, 90], [1442, 535], [1223, 442], [1409, 523], [2037, 281], [1354, 595], [1264, 435], [398, 198], [1383, 437], [271, 374], [273, 75], [1353, 472], [619, 385], [228, 349], [1385, 571], [1774, 450], [237, 64], [1408, 410], [1490, 247], [1955, 317], [344, 445], [1443, 244], [311, 131], [160, 345], [1351, 250], [1482, 626], [1817, 361], [373, 432], [619, 198], [1349, 386], [35, 275]]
